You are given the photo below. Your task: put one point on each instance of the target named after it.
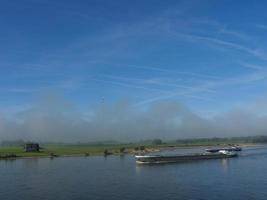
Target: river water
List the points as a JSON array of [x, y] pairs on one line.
[[117, 177]]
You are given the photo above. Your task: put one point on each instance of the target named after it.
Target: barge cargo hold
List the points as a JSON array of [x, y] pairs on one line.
[[158, 159]]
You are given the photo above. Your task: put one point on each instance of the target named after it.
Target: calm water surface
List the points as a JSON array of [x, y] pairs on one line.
[[114, 177]]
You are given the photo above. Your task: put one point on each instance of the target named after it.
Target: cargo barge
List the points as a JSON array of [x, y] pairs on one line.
[[158, 159]]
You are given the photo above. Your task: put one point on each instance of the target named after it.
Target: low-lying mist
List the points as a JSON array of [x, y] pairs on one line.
[[54, 119]]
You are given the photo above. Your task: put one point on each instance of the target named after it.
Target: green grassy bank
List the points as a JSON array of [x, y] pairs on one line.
[[80, 150], [10, 151]]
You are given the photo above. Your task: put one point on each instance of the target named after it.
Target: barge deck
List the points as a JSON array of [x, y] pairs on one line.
[[157, 159]]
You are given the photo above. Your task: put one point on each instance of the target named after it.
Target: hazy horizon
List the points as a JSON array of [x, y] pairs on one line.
[[53, 118]]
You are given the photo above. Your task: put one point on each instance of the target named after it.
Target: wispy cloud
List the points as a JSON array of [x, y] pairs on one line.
[[257, 52], [173, 71], [158, 69], [170, 96], [18, 90], [253, 66], [165, 94], [262, 26], [234, 34], [159, 82], [42, 85], [246, 79], [127, 85]]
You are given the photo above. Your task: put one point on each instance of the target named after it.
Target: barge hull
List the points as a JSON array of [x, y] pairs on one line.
[[173, 159]]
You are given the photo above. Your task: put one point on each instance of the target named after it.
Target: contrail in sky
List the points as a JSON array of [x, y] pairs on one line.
[[159, 70], [161, 83]]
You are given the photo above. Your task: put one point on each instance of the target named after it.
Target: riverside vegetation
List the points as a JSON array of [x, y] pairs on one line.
[[15, 149]]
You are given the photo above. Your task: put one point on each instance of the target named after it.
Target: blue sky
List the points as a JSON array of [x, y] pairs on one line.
[[208, 55]]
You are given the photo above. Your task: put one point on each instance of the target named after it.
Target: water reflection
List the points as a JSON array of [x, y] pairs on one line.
[[225, 164], [138, 169]]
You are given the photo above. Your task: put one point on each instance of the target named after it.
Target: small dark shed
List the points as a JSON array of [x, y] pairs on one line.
[[31, 147]]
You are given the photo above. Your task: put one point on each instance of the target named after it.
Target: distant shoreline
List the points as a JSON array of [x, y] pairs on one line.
[[10, 153]]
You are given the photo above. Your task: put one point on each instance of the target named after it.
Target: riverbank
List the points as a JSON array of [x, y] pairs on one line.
[[76, 150], [95, 150]]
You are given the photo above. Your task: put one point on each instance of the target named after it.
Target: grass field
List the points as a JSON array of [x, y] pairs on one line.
[[99, 149], [59, 150], [65, 150]]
